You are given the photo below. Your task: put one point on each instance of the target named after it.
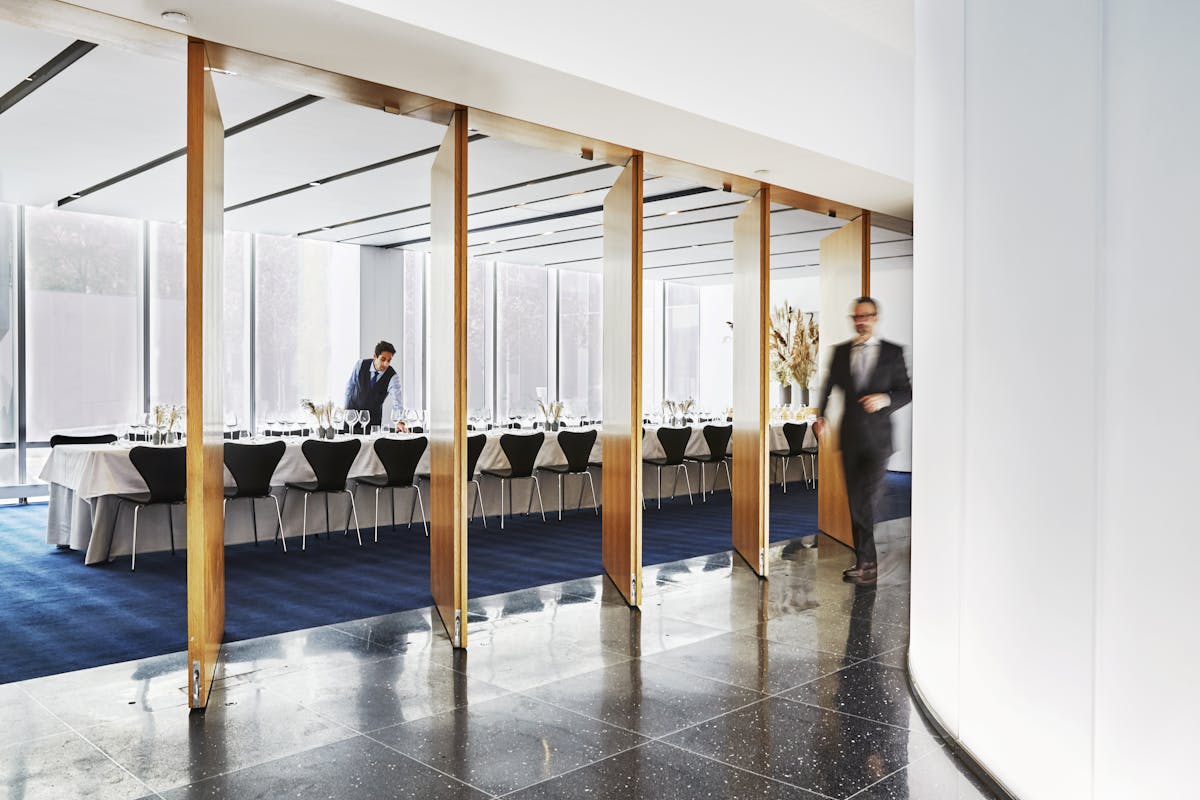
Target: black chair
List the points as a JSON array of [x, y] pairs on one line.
[[62, 438], [577, 447], [400, 458], [331, 462], [252, 467], [475, 445], [717, 437], [794, 432], [521, 451], [164, 469], [674, 443]]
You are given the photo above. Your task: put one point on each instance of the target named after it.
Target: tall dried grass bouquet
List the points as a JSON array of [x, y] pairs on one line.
[[794, 341]]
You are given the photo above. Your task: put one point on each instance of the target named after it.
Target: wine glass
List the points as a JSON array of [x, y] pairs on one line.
[[352, 419], [397, 416], [338, 417]]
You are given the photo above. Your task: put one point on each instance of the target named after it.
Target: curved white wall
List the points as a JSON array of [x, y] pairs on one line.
[[1054, 532]]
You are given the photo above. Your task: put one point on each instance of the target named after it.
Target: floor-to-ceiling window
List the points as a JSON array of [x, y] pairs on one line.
[[83, 321], [522, 344], [580, 341], [8, 345], [682, 341]]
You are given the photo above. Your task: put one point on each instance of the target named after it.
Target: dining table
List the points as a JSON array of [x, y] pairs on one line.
[[86, 482]]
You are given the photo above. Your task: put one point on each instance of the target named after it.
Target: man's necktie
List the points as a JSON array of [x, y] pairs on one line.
[[374, 377], [858, 365]]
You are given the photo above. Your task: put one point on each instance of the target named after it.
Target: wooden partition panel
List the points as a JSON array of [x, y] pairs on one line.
[[751, 294], [621, 439], [845, 274], [448, 381], [205, 409]]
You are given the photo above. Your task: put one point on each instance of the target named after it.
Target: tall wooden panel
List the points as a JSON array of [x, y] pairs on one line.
[[205, 409], [845, 274], [621, 439], [751, 318], [448, 381]]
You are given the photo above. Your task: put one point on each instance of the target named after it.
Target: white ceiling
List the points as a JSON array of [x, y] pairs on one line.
[[113, 111]]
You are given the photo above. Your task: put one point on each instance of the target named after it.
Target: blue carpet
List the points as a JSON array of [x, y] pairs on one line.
[[59, 615]]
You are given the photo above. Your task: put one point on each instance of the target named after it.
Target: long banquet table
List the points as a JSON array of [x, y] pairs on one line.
[[86, 479]]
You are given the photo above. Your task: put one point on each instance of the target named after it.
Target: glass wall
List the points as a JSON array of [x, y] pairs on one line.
[[412, 349], [580, 341], [8, 345], [522, 344], [306, 328]]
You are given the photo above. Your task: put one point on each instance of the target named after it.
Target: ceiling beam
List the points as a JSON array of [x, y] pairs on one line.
[[43, 74]]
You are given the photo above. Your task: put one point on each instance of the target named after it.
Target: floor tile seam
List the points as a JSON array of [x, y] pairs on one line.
[[336, 671], [572, 770], [600, 651], [748, 771], [416, 760], [821, 677], [72, 729], [931, 754], [858, 717], [575, 712], [707, 720]]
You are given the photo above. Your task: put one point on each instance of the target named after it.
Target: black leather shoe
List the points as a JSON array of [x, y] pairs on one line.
[[866, 568]]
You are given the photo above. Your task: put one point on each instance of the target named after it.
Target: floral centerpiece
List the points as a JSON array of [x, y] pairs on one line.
[[323, 413], [794, 339], [551, 412], [165, 416]]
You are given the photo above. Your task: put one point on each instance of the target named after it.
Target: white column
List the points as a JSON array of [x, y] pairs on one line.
[[1053, 291]]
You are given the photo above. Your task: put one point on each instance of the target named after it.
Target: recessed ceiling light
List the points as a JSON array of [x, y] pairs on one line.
[[176, 17]]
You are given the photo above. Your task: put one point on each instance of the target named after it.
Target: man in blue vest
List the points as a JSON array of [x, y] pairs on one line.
[[372, 381]]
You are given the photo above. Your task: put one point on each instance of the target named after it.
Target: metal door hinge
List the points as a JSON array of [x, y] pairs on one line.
[[195, 684], [762, 561], [633, 590], [458, 627]]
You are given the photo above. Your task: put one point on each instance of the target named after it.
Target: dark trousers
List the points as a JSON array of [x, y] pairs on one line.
[[865, 470]]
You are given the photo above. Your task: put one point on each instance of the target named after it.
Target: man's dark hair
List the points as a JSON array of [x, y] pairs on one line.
[[870, 300], [385, 347]]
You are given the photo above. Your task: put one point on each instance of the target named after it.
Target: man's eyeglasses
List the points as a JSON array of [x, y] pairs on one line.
[[860, 317]]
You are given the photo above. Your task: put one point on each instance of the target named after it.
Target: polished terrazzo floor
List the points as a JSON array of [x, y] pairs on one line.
[[722, 686]]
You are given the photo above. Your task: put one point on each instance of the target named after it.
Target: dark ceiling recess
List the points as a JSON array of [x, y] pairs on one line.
[[72, 53], [253, 122]]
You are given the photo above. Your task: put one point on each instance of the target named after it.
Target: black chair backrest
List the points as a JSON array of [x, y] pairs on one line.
[[253, 465], [474, 451], [62, 438], [400, 458], [331, 461], [521, 450], [577, 447], [717, 437], [794, 432], [164, 469], [674, 443]]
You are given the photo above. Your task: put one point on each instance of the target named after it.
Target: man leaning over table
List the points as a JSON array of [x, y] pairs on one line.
[[372, 381]]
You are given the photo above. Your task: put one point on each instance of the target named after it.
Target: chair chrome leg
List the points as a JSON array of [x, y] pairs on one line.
[[502, 501], [421, 503], [579, 503], [728, 478], [377, 513], [279, 516], [529, 507], [687, 478], [675, 481], [703, 485], [254, 520], [354, 511], [560, 497], [171, 527], [412, 509], [328, 526], [538, 485], [659, 482], [133, 553], [785, 466], [591, 483], [304, 524]]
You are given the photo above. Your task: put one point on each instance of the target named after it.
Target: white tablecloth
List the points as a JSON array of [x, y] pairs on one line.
[[85, 479]]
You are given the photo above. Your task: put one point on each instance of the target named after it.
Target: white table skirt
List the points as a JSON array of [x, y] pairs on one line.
[[86, 515]]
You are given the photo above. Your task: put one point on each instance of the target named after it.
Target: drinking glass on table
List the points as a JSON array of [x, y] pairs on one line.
[[352, 418], [337, 418], [397, 415]]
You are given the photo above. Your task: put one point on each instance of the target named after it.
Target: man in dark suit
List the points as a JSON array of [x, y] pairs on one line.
[[874, 381], [372, 381]]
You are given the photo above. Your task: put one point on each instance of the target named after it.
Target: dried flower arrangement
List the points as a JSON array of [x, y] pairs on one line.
[[166, 416], [794, 341], [551, 411], [323, 412]]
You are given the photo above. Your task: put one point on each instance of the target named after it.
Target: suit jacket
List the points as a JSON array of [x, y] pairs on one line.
[[860, 430]]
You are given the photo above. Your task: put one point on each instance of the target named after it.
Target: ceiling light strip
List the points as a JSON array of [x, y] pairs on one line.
[[69, 55], [253, 122]]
